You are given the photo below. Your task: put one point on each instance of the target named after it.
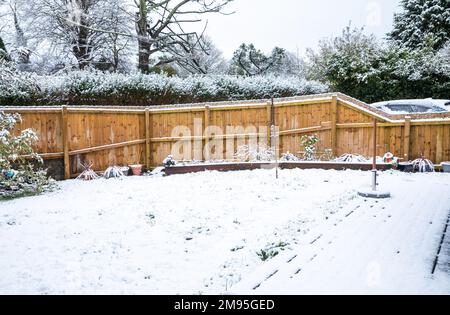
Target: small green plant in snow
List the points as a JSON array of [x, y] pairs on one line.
[[309, 144]]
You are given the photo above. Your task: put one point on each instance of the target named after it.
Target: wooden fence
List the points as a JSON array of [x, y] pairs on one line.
[[122, 136]]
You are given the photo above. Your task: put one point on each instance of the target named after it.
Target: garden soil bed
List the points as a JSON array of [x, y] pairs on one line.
[[227, 167]]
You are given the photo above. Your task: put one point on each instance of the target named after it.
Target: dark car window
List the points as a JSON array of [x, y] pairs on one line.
[[400, 108]]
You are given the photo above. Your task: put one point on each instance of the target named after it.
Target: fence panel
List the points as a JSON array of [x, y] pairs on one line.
[[109, 136]]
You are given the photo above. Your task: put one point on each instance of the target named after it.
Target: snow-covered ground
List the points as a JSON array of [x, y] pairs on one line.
[[200, 234]]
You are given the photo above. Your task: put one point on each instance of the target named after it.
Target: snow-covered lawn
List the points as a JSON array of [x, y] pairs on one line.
[[200, 233]]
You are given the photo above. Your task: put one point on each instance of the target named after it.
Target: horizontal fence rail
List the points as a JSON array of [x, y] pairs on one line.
[[109, 136]]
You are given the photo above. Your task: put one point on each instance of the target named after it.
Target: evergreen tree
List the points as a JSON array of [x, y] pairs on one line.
[[249, 61], [422, 23], [344, 62], [363, 67]]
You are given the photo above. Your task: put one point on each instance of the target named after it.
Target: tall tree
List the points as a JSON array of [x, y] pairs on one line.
[[117, 45], [16, 17], [202, 58], [249, 61], [161, 27], [422, 22], [80, 27]]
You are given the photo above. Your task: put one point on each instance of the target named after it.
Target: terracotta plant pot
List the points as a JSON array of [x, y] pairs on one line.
[[136, 169]]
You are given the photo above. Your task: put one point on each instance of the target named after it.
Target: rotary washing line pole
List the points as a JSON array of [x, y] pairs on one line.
[[374, 192]]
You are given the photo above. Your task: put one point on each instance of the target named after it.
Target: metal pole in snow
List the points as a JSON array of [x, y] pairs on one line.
[[375, 125], [275, 135], [374, 193], [374, 164]]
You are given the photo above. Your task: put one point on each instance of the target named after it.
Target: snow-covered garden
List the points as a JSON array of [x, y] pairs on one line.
[[206, 233], [263, 231]]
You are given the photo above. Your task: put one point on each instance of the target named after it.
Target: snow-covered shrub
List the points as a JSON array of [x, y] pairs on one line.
[[309, 144], [16, 87], [423, 166], [169, 161], [18, 174], [289, 157], [157, 172], [351, 158], [260, 153], [113, 172], [271, 250]]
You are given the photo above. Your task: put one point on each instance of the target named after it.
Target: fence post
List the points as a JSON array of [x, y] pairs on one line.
[[334, 121], [206, 131], [407, 138], [375, 144], [65, 136], [439, 144], [269, 123], [148, 135]]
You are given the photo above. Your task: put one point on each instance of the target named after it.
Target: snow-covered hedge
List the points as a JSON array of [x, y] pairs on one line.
[[15, 88], [137, 89]]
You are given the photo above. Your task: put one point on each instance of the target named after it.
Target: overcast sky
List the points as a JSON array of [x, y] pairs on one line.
[[293, 24]]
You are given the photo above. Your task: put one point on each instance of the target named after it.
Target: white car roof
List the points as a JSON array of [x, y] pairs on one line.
[[432, 104], [445, 103]]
